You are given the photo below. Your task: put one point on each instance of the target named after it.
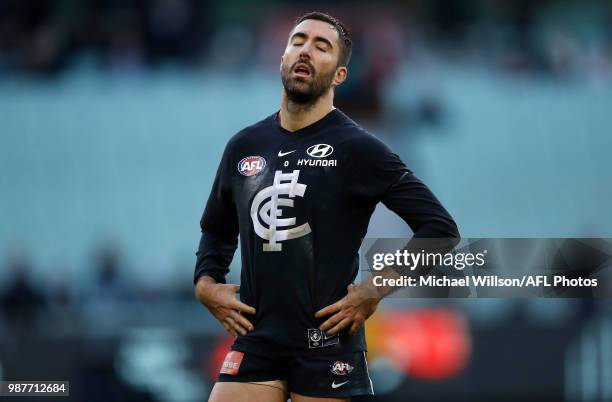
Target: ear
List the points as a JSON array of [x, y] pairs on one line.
[[281, 64], [341, 74]]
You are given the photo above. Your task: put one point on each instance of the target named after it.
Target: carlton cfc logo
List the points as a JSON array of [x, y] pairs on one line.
[[251, 165], [268, 217]]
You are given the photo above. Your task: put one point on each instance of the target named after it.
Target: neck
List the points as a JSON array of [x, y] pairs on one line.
[[294, 116]]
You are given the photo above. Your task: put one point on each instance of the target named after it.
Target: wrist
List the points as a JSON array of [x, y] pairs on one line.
[[204, 287], [376, 293]]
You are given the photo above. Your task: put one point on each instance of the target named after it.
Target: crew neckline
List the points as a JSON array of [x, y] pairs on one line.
[[334, 114]]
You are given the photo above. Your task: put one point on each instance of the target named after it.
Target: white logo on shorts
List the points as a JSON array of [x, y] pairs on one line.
[[334, 385]]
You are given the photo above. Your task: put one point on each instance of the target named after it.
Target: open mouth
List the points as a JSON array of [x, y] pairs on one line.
[[302, 70]]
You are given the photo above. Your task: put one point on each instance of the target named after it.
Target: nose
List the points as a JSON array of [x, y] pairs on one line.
[[305, 50], [304, 58]]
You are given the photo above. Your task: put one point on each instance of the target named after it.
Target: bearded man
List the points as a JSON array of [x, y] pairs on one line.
[[299, 188]]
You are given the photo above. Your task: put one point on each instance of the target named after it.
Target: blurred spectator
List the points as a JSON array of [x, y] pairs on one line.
[[109, 285], [21, 301], [522, 36]]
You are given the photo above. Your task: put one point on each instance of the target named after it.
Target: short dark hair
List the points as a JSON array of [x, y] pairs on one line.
[[346, 44]]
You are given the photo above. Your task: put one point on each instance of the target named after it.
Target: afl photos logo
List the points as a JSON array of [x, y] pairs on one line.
[[265, 208], [251, 165]]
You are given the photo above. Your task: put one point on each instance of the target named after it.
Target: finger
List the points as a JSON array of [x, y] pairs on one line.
[[333, 320], [332, 308], [229, 329], [340, 326], [236, 288], [245, 308], [235, 326], [242, 321], [355, 326]]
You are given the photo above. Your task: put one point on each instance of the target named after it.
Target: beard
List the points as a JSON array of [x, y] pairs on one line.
[[302, 91]]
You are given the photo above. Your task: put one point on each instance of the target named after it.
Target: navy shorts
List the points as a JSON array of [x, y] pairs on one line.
[[337, 375]]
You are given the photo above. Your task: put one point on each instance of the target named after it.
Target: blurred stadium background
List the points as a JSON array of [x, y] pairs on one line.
[[114, 114]]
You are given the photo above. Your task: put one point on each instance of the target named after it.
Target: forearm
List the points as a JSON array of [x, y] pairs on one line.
[[380, 292], [204, 281], [203, 287], [214, 256], [415, 203], [435, 231]]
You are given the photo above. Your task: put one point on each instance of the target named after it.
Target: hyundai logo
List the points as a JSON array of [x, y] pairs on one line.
[[320, 150]]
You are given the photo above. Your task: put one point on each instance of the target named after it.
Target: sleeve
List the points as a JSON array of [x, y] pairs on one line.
[[389, 181], [219, 225], [434, 229], [414, 202], [383, 176], [373, 167]]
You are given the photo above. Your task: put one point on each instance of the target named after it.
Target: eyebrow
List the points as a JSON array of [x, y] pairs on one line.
[[317, 38]]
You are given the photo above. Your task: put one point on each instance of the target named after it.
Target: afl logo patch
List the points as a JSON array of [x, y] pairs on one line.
[[251, 165], [341, 368]]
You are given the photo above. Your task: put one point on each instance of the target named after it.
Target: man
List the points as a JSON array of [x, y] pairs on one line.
[[300, 187]]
